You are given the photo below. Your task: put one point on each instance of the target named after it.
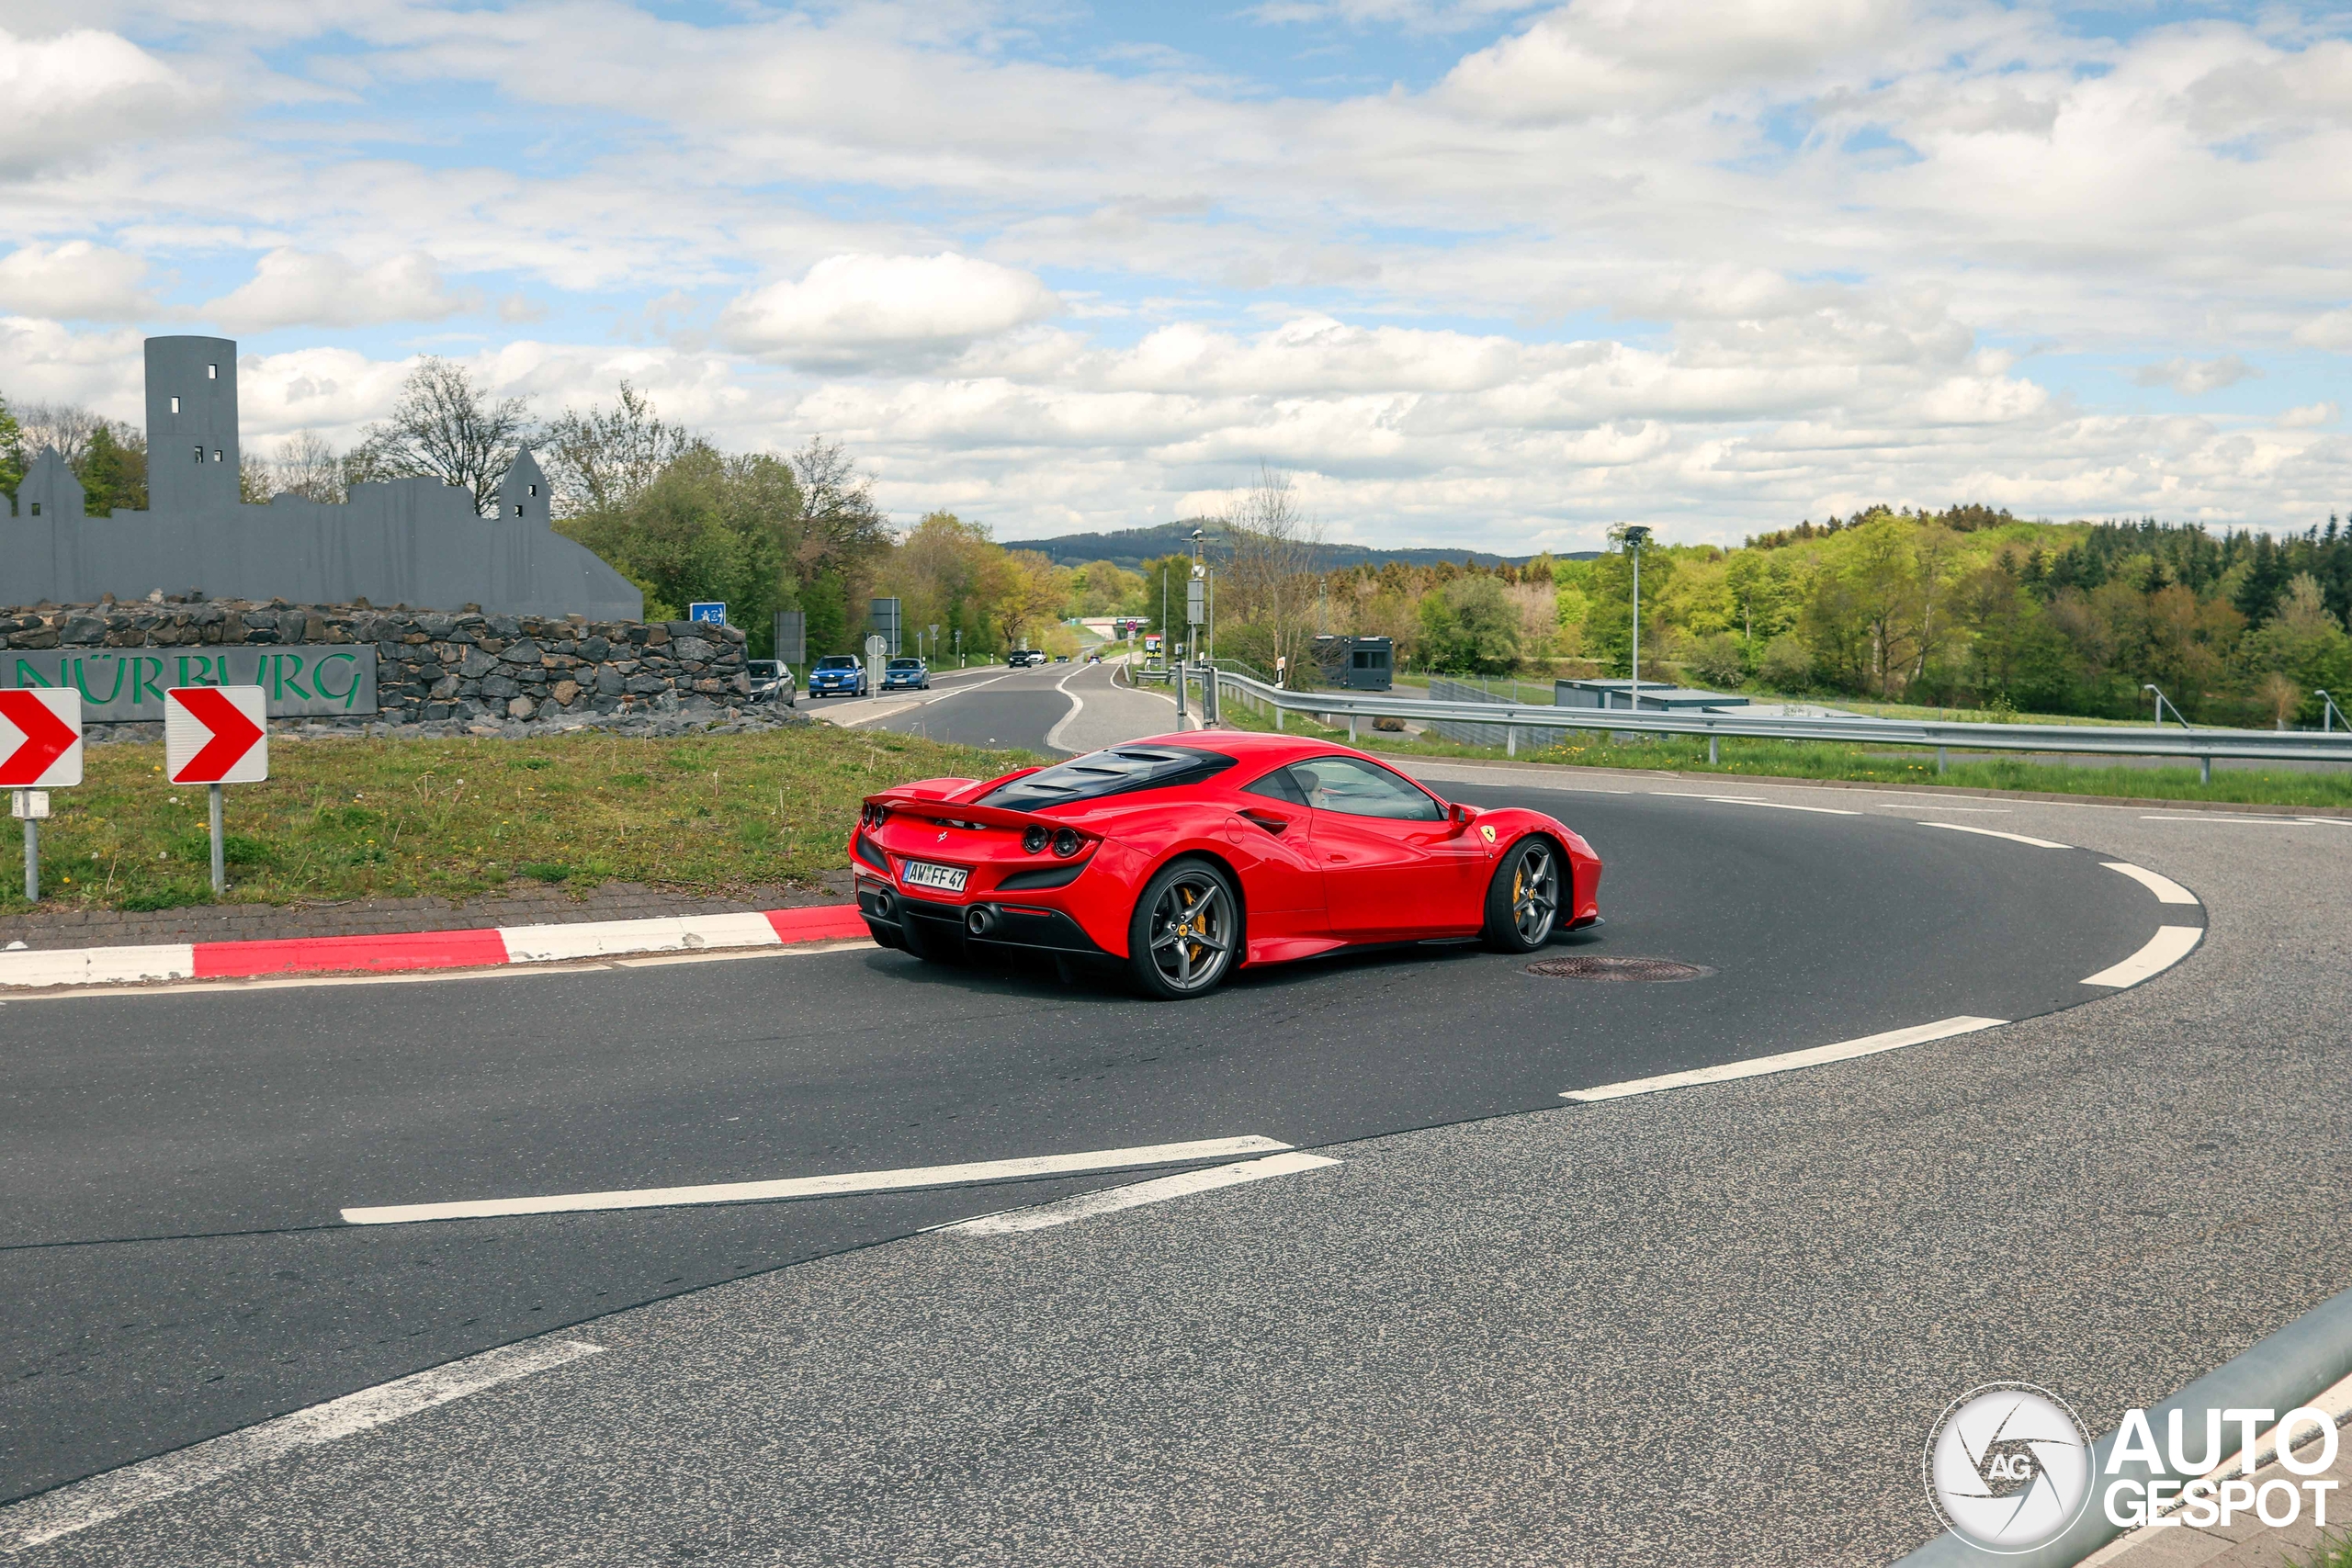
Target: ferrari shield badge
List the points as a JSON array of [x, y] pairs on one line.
[[1487, 834]]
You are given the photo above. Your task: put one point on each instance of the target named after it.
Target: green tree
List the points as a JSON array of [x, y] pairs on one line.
[[113, 472], [12, 450], [1470, 625], [1609, 596]]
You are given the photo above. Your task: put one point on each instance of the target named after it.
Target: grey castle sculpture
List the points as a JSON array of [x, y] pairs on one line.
[[417, 542]]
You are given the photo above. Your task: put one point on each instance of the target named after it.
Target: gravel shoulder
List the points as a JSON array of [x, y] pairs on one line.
[[1711, 1325]]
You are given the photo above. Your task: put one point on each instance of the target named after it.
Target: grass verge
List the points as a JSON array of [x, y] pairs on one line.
[[358, 818], [1866, 764]]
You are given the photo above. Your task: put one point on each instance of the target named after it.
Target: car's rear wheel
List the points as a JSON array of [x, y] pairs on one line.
[[1523, 899], [1186, 935]]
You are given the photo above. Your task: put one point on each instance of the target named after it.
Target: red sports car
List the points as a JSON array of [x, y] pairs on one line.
[[1184, 855]]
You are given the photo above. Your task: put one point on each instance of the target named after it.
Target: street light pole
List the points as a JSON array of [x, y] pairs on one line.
[[1635, 536]]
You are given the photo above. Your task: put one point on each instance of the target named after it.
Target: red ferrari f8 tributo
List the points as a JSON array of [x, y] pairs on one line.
[[1183, 856]]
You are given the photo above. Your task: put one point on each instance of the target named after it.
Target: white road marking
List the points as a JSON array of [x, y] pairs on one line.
[[1996, 834], [816, 1186], [102, 1498], [2239, 819], [1161, 1190], [2166, 948], [1844, 1050], [1077, 706], [2166, 890], [1973, 810], [1778, 804]]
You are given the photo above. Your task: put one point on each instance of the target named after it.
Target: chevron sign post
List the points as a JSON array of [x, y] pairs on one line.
[[216, 735], [40, 750]]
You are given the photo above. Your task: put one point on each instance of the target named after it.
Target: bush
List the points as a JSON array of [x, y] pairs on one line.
[[1787, 664], [1717, 659]]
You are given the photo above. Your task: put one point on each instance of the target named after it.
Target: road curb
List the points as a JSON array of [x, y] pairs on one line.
[[477, 948]]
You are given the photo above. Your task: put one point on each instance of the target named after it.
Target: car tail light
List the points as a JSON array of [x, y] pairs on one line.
[[1034, 840], [1067, 843]]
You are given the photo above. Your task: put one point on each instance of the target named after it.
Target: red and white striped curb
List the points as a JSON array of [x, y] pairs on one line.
[[484, 948]]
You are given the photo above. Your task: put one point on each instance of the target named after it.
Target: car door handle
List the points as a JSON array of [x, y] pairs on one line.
[[1340, 858], [1268, 821]]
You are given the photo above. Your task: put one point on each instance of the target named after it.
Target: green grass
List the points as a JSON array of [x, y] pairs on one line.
[[1830, 760], [2334, 1549], [358, 819]]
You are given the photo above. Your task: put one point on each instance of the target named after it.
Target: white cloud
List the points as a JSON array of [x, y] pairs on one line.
[[2195, 377], [2308, 415], [2332, 329], [74, 281], [65, 97], [854, 310], [292, 288]]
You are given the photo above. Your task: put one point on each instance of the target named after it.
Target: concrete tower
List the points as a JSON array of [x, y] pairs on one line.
[[191, 425]]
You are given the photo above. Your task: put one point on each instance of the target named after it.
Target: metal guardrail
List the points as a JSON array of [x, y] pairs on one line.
[[2121, 741]]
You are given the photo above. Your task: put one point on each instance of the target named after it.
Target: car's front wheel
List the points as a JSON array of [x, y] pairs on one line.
[[1186, 935], [1523, 899]]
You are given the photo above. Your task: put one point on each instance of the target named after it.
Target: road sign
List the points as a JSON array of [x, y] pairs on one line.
[[712, 611], [1194, 593], [40, 739], [216, 735], [886, 623]]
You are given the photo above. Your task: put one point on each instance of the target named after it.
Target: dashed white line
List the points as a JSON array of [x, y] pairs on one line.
[[102, 1498], [1996, 834], [2166, 948], [2166, 890], [1753, 800], [816, 1186], [1159, 1190], [1756, 1067]]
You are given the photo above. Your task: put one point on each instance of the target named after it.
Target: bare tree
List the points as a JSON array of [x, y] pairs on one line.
[[606, 459], [65, 426], [308, 465], [839, 519], [447, 427], [1272, 580]]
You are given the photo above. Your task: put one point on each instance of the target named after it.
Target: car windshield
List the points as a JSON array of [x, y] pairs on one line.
[[1120, 770], [765, 667], [837, 661], [906, 664]]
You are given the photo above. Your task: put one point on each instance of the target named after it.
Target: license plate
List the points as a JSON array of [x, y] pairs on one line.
[[947, 878]]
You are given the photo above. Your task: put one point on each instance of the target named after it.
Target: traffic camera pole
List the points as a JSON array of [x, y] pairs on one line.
[[219, 877]]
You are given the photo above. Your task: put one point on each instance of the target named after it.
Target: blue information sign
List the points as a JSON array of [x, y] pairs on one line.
[[707, 610]]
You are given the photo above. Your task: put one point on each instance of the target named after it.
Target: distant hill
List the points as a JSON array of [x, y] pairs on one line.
[[1130, 548]]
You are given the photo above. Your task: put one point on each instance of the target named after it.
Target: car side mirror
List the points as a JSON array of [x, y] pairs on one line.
[[1459, 814]]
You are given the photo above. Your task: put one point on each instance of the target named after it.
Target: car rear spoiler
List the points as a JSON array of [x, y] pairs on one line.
[[956, 814]]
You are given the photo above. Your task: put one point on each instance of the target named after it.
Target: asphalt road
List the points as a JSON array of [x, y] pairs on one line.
[[172, 1166]]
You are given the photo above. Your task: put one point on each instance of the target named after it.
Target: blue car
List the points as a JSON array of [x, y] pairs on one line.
[[906, 675], [837, 675]]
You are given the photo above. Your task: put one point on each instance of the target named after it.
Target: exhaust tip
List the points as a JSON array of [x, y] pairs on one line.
[[980, 920]]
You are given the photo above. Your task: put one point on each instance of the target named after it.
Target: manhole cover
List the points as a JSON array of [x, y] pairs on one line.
[[1594, 968]]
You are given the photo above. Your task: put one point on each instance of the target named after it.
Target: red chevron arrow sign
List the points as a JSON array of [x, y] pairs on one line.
[[216, 735], [40, 739]]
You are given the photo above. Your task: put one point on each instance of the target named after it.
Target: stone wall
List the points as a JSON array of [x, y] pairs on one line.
[[437, 668]]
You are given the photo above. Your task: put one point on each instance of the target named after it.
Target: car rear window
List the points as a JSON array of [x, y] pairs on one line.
[[1123, 770]]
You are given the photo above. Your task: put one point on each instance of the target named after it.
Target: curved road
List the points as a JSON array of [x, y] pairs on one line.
[[174, 1167]]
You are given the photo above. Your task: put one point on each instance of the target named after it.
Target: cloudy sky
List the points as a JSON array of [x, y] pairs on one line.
[[1477, 272]]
